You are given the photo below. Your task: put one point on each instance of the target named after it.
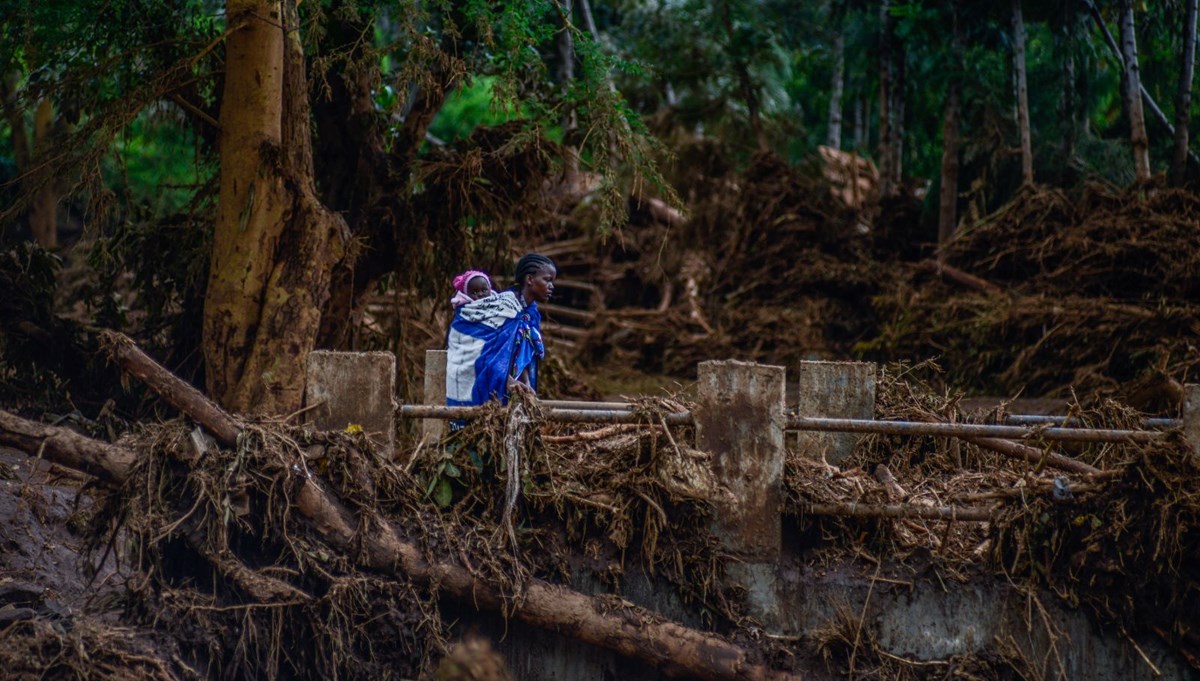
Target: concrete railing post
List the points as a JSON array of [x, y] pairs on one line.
[[834, 390], [740, 422], [1190, 415], [353, 388], [435, 393]]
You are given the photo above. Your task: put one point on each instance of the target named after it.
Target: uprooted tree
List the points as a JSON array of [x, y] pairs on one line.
[[349, 518]]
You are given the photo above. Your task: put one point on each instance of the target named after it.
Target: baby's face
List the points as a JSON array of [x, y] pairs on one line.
[[478, 288]]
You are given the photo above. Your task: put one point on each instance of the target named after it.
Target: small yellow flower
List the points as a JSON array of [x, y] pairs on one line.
[[353, 428]]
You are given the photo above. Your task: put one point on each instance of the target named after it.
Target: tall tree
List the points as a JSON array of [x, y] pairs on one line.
[[1183, 96], [275, 244], [1068, 105], [833, 137], [30, 151], [948, 196], [1132, 94], [1018, 24], [887, 85]]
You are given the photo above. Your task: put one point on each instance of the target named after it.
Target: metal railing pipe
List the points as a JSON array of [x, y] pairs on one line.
[[1039, 419], [1010, 432], [971, 430], [559, 415], [579, 404]]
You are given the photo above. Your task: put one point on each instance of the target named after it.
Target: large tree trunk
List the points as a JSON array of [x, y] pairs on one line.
[[1183, 97], [275, 244], [833, 138], [1133, 99], [36, 180], [948, 194], [1022, 93]]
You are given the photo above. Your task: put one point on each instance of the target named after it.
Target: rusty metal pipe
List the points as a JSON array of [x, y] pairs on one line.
[[578, 404], [1012, 432], [970, 430], [1038, 419], [425, 411]]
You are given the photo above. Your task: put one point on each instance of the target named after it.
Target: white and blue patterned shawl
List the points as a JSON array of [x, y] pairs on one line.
[[491, 340]]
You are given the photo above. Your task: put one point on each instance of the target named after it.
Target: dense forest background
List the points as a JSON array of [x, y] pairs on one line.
[[234, 183]]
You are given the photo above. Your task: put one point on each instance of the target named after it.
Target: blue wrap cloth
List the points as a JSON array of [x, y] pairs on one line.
[[491, 340]]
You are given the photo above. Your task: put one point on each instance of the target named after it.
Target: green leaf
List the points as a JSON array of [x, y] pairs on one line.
[[444, 494]]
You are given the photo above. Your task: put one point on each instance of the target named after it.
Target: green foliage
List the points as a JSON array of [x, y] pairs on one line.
[[470, 106]]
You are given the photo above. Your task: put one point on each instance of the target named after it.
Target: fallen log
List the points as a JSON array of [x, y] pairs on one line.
[[1032, 455], [628, 630], [856, 510], [66, 447], [175, 391], [965, 278]]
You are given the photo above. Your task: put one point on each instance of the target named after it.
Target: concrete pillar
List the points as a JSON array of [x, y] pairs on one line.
[[740, 422], [834, 390], [1191, 415], [353, 388], [435, 393]]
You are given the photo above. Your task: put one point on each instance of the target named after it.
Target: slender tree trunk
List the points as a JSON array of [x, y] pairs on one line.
[[1183, 98], [860, 124], [746, 84], [1022, 93], [1133, 99], [1146, 98], [1068, 104], [899, 85], [43, 211], [833, 137], [274, 244], [36, 181], [948, 195], [886, 67]]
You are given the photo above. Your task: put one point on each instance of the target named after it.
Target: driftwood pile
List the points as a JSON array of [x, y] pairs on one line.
[[1093, 293], [271, 550], [268, 550]]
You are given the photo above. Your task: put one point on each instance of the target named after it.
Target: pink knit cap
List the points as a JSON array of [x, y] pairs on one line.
[[461, 281]]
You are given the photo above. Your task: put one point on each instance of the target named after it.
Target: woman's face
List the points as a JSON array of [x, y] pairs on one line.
[[540, 285], [478, 288]]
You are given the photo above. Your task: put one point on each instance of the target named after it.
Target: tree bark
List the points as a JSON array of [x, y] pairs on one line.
[[860, 124], [65, 447], [1133, 99], [36, 181], [899, 85], [948, 194], [1183, 97], [1149, 101], [43, 211], [886, 66], [275, 244], [1069, 101], [833, 137], [1022, 93], [741, 68]]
